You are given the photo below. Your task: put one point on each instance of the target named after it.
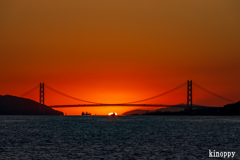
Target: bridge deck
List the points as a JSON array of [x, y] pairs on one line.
[[110, 105]]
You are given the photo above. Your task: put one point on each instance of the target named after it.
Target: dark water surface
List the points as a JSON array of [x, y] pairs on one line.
[[123, 137]]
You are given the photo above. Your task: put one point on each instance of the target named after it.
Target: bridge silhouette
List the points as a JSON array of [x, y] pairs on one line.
[[137, 103]]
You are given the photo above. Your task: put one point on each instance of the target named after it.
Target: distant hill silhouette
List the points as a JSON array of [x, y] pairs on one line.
[[229, 109], [174, 108], [12, 105]]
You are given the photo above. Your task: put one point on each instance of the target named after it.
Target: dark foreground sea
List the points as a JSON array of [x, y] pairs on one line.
[[121, 137]]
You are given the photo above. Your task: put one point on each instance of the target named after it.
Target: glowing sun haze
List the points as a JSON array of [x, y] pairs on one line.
[[111, 113], [120, 51]]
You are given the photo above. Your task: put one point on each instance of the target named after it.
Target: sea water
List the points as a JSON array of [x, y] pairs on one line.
[[120, 137]]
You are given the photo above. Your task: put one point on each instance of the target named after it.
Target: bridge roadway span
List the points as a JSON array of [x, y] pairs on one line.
[[110, 105]]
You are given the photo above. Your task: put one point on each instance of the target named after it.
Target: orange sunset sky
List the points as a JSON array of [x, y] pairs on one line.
[[116, 51]]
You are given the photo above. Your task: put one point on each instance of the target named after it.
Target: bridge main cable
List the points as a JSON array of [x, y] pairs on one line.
[[63, 94], [214, 94], [159, 95], [29, 91]]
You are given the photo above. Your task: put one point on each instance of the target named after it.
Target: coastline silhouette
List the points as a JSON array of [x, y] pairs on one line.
[[12, 105], [229, 109]]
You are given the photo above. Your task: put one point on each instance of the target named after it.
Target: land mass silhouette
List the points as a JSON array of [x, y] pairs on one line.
[[229, 109], [12, 105], [173, 108]]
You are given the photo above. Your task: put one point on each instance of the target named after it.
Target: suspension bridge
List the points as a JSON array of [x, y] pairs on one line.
[[137, 103]]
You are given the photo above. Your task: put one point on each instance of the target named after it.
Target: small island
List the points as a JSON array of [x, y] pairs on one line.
[[12, 105]]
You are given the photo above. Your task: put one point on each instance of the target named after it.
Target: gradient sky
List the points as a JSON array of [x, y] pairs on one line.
[[119, 51]]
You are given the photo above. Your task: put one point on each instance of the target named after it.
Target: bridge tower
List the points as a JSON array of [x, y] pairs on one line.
[[189, 95], [41, 100]]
